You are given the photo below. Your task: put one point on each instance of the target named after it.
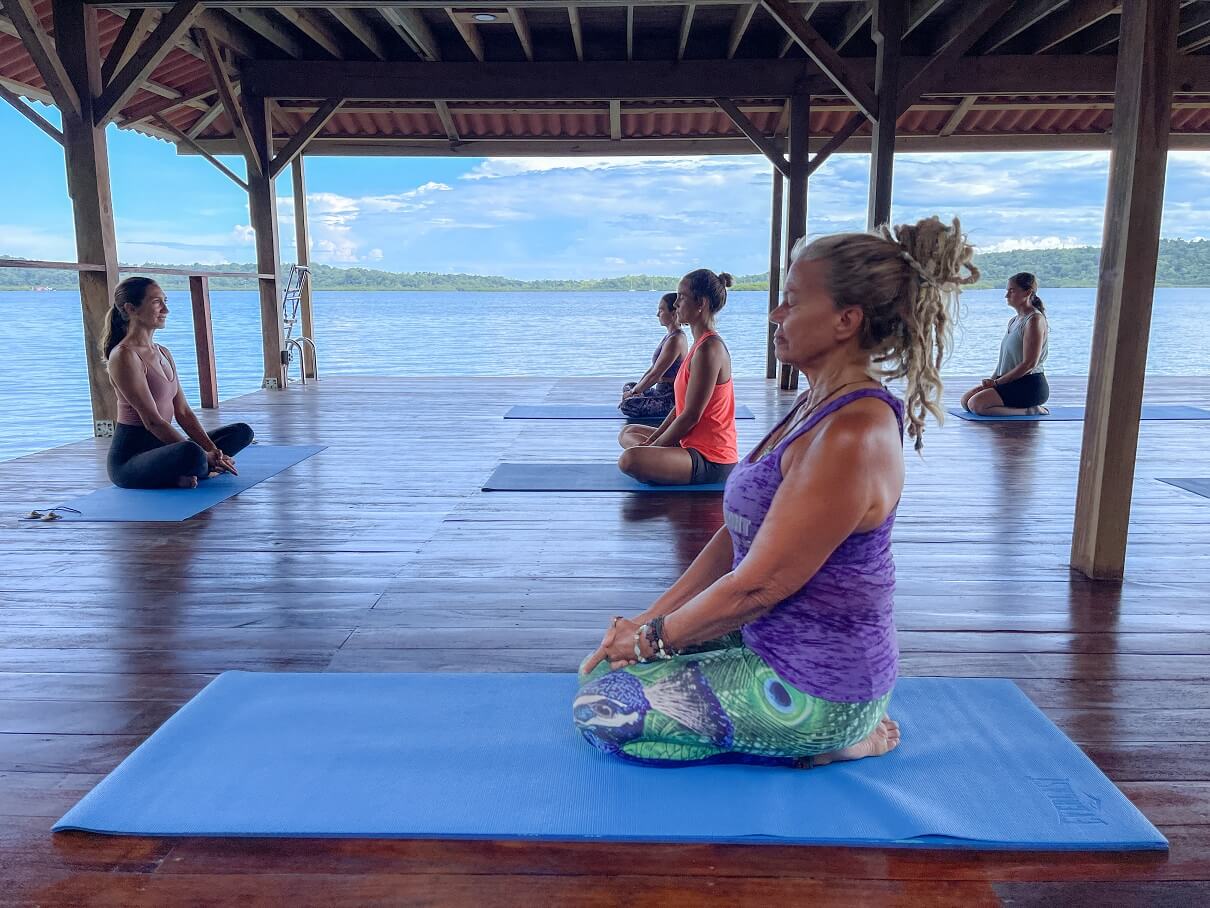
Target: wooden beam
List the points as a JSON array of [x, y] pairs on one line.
[[1194, 30], [313, 127], [269, 29], [1071, 20], [964, 31], [360, 29], [318, 32], [186, 139], [44, 55], [203, 340], [262, 213], [776, 229], [150, 54], [32, 115], [615, 121], [200, 124], [686, 28], [86, 156], [521, 26], [1022, 16], [743, 17], [855, 18], [824, 55], [412, 27], [302, 239], [149, 109], [229, 33], [226, 93], [469, 34], [577, 31], [1126, 287], [766, 146], [629, 33], [920, 10], [125, 44], [796, 204], [890, 20], [959, 114], [837, 141], [447, 121]]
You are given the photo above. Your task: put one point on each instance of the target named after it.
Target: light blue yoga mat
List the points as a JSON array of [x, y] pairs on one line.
[[576, 477], [1076, 414], [255, 464], [1196, 486], [586, 411], [495, 756]]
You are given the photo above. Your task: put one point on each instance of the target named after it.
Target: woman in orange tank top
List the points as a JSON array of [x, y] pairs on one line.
[[696, 443]]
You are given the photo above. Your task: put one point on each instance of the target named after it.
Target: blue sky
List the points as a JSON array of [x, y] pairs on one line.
[[557, 217]]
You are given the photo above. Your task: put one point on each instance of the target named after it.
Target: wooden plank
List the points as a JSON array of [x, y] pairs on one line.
[[187, 140], [468, 31], [766, 146], [577, 32], [235, 113], [796, 204], [686, 27], [890, 20], [739, 27], [203, 122], [355, 23], [32, 115], [1020, 18], [298, 143], [53, 266], [629, 33], [521, 27], [855, 18], [1142, 120], [959, 114], [44, 55], [230, 33], [269, 29], [824, 55], [126, 43], [1070, 21], [150, 54], [776, 229], [321, 34], [412, 27], [615, 121]]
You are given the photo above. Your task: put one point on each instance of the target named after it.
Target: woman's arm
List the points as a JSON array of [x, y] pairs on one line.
[[828, 491], [127, 374], [654, 439], [708, 363], [1031, 351], [184, 413], [668, 355]]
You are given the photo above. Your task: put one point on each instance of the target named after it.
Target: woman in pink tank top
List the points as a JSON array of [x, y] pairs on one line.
[[777, 644], [695, 444], [146, 451]]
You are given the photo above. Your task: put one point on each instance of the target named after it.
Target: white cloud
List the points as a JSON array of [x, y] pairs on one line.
[[243, 234], [1035, 242]]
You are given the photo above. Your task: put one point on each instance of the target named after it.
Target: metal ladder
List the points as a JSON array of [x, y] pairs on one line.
[[291, 301]]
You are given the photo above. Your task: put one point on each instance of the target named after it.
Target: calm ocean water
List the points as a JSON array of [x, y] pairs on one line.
[[44, 392]]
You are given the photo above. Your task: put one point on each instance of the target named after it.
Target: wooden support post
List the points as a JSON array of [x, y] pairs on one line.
[[262, 210], [1141, 121], [796, 205], [302, 235], [777, 225], [890, 17], [87, 159], [203, 340]]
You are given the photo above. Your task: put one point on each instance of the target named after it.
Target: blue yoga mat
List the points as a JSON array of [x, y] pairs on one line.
[[576, 477], [1196, 486], [255, 464], [1076, 414], [495, 756], [586, 411]]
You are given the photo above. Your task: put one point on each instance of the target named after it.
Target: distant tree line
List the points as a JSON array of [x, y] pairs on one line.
[[1182, 263]]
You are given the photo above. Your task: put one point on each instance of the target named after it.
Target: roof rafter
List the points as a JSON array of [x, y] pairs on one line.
[[469, 34], [412, 27], [356, 25]]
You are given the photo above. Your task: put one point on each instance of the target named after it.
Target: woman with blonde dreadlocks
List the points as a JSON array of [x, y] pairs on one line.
[[777, 645]]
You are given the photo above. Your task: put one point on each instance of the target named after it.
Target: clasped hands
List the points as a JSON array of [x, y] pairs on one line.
[[617, 647], [218, 462]]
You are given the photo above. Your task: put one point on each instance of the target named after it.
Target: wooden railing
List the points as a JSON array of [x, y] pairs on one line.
[[199, 296]]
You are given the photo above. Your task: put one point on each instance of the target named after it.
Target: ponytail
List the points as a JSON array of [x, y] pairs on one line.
[[1029, 283], [131, 292]]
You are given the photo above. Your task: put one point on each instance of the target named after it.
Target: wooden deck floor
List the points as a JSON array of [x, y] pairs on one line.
[[381, 555]]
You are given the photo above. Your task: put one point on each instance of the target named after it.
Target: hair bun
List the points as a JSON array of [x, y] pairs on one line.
[[726, 278]]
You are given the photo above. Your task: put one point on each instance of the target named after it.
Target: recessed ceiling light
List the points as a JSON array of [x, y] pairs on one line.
[[485, 17]]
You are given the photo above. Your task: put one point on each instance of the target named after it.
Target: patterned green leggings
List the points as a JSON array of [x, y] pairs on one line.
[[720, 703]]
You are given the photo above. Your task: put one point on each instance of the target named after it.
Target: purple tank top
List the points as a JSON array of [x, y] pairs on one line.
[[835, 637], [670, 372], [163, 390]]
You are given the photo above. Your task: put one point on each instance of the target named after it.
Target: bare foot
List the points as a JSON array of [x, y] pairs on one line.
[[187, 482], [882, 739]]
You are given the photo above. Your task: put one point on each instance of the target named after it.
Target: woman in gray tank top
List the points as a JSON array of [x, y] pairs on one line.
[[1019, 386]]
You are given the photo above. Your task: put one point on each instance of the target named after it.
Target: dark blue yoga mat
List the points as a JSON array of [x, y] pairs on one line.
[[576, 477], [495, 756], [1196, 486], [1076, 414], [585, 411], [255, 464]]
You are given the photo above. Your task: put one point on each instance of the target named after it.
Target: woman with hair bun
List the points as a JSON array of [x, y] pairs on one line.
[[696, 443], [146, 451], [652, 396], [1019, 386], [777, 644]]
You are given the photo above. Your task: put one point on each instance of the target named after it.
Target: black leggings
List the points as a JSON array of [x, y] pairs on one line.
[[139, 460]]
